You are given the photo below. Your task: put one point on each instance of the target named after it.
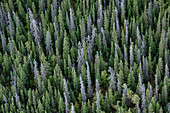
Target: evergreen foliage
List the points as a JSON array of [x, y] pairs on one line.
[[84, 56]]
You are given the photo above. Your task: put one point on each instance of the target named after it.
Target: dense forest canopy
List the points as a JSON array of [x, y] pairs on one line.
[[84, 56]]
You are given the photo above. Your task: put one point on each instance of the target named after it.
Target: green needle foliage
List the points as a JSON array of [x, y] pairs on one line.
[[84, 56]]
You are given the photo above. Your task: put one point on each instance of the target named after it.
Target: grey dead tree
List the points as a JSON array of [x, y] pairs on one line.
[[80, 58], [167, 71], [72, 109], [138, 57], [112, 83], [125, 54], [5, 100], [169, 107], [100, 18], [72, 18], [166, 56], [90, 45], [48, 43], [117, 4], [10, 25], [67, 20], [89, 25], [119, 85], [43, 71], [131, 56], [98, 101], [17, 99], [156, 86], [138, 37], [34, 28], [143, 97], [83, 93], [10, 46], [140, 84], [4, 46], [150, 92], [98, 95], [66, 90], [126, 35], [66, 103], [35, 70], [52, 12], [2, 21], [89, 88]]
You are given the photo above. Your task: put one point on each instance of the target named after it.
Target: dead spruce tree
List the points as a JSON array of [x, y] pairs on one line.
[[90, 45], [138, 37], [67, 20], [35, 70], [167, 71], [10, 25], [150, 92], [156, 86], [140, 84], [66, 103], [17, 99], [10, 46], [5, 100], [72, 109], [48, 43], [143, 97], [4, 46], [80, 58], [43, 72], [34, 28], [83, 93], [138, 57], [89, 25], [125, 54], [98, 96], [126, 35], [66, 90], [100, 18], [72, 18], [131, 56], [119, 86], [89, 88], [112, 83]]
